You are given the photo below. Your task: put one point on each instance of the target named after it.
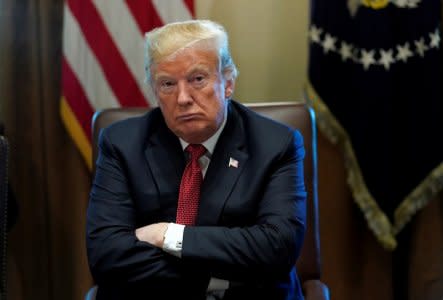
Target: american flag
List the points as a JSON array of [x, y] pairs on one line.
[[103, 59]]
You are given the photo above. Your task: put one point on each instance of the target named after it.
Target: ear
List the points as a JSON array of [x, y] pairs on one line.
[[229, 88]]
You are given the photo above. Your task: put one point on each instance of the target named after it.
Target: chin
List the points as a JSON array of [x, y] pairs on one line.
[[195, 137], [195, 133]]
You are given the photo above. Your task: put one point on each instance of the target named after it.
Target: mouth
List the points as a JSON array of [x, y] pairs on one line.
[[187, 117]]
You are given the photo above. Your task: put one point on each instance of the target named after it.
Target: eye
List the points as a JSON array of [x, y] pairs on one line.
[[166, 86], [199, 80]]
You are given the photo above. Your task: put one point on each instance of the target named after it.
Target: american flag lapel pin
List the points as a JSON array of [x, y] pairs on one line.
[[233, 163]]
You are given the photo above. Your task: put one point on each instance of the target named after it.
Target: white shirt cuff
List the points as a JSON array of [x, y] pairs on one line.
[[174, 239]]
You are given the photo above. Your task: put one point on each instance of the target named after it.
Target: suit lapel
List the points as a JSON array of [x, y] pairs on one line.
[[221, 176], [165, 158]]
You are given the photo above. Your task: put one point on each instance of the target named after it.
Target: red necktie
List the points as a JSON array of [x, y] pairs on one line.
[[192, 178]]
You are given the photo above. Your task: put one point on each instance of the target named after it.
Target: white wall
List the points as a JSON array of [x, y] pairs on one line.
[[268, 40]]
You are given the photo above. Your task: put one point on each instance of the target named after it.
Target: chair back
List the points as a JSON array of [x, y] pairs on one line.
[[295, 115]]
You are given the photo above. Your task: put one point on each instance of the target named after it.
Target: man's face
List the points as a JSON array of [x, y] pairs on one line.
[[191, 93]]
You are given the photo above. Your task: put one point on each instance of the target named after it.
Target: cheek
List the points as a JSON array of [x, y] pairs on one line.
[[216, 110], [219, 90], [217, 96], [167, 109]]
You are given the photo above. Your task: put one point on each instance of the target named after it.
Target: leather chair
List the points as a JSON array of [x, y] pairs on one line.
[[296, 115]]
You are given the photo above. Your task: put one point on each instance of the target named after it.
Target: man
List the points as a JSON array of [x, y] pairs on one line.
[[200, 197]]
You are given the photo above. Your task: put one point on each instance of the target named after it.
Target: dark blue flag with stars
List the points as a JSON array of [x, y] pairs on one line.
[[375, 83]]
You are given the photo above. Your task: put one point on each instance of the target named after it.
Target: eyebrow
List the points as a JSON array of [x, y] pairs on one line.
[[199, 68]]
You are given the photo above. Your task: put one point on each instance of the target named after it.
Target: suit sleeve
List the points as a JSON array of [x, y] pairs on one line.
[[269, 248], [114, 252]]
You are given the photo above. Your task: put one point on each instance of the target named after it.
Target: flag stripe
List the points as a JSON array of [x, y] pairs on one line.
[[190, 5], [172, 10], [113, 65], [145, 14], [103, 58], [76, 98], [127, 37], [76, 131], [84, 64]]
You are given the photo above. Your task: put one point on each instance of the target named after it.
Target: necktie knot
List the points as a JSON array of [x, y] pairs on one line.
[[195, 151]]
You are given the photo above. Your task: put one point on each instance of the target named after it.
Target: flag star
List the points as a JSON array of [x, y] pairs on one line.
[[413, 3], [421, 47], [345, 51], [435, 39], [403, 52], [353, 6], [329, 43], [367, 58], [401, 3], [314, 34], [387, 58]]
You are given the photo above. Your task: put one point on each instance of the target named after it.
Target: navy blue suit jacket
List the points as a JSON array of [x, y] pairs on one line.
[[251, 220]]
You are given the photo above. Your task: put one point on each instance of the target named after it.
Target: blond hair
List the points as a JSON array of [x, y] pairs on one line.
[[165, 41]]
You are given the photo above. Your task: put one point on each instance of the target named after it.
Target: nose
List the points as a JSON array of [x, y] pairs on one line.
[[184, 96]]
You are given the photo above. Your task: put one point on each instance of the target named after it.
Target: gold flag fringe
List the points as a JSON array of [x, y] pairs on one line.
[[377, 220], [427, 190]]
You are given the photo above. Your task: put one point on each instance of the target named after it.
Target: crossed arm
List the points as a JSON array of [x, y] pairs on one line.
[[117, 250]]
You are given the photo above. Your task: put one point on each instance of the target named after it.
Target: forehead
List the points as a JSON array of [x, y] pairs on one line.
[[186, 60]]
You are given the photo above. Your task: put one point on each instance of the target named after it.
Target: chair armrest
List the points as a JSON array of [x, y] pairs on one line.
[[315, 290]]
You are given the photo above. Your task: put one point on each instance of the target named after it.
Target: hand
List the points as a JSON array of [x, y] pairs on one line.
[[152, 234]]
